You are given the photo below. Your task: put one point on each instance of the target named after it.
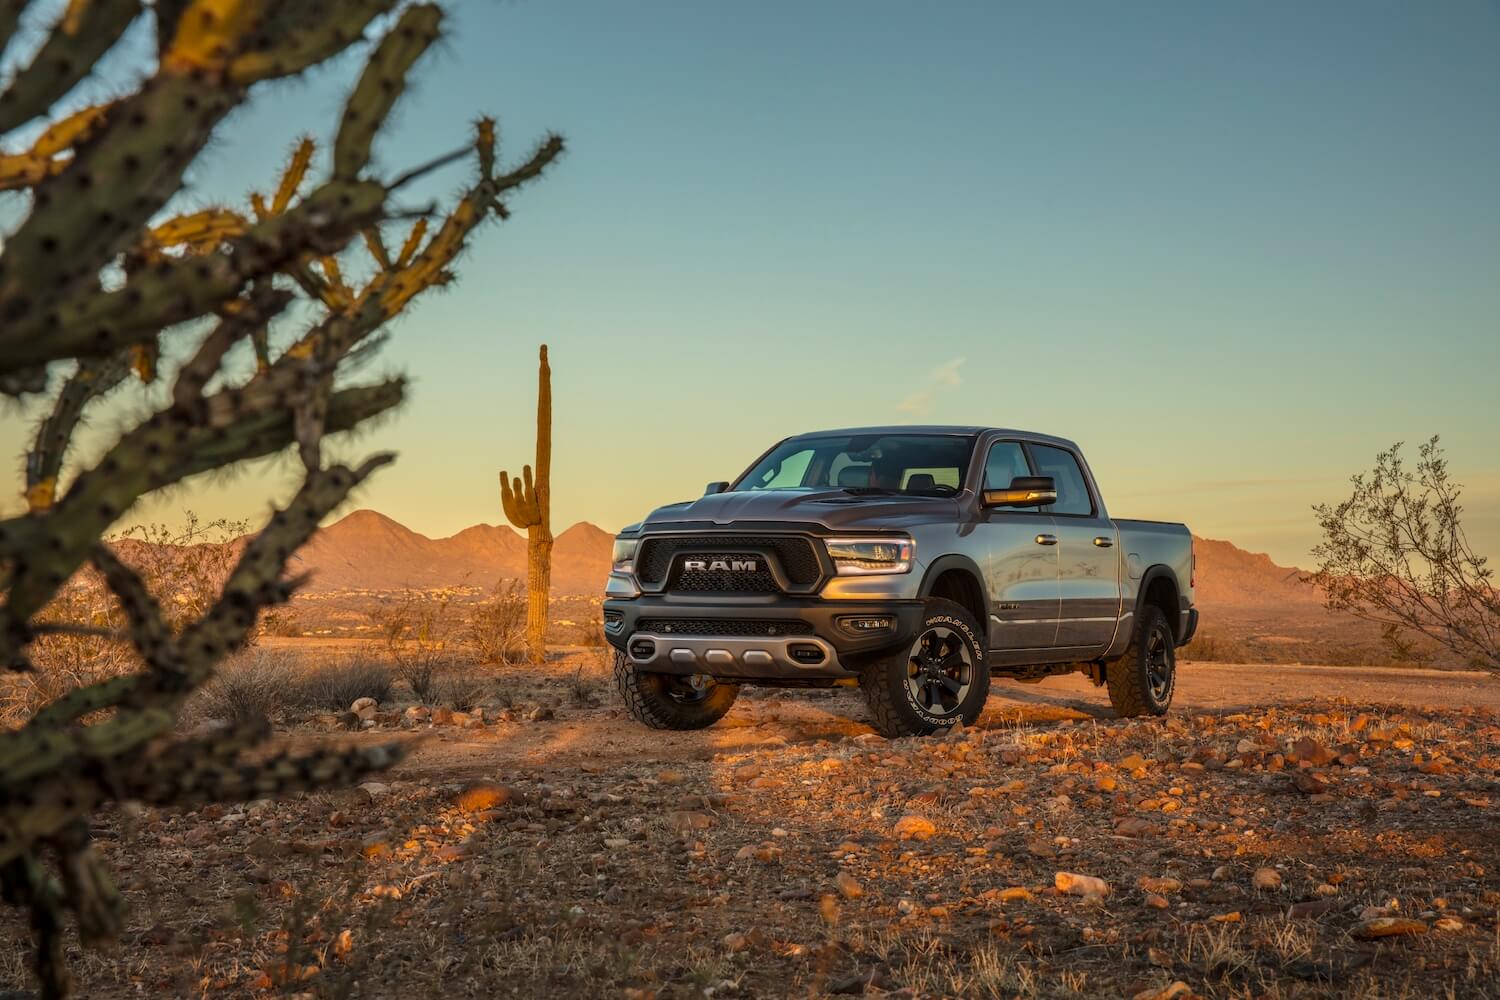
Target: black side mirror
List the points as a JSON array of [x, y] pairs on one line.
[[1024, 491], [712, 488]]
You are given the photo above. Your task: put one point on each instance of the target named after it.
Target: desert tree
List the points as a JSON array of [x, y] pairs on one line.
[[95, 276], [1395, 553]]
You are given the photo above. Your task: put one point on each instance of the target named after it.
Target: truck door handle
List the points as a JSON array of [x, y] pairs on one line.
[[1104, 541], [1046, 539]]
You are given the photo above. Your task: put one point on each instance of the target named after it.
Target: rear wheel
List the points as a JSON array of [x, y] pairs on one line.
[[1142, 681], [672, 701], [939, 680]]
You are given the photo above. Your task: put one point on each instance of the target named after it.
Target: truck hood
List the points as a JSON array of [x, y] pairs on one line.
[[834, 510]]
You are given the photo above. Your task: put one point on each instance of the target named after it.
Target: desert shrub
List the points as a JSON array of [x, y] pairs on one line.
[[1395, 553], [1218, 649], [281, 622], [337, 685], [461, 691], [249, 688], [184, 567], [494, 630], [591, 634], [423, 633]]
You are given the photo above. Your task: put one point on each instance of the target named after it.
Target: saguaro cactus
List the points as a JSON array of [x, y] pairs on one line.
[[88, 285], [528, 504]]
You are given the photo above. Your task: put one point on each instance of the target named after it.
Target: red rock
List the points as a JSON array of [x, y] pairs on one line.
[[483, 795], [1382, 927], [914, 827]]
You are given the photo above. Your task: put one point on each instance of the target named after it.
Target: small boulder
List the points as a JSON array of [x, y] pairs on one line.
[[914, 827], [848, 886], [684, 821], [365, 708], [1383, 927], [1086, 886], [482, 795], [1266, 880]]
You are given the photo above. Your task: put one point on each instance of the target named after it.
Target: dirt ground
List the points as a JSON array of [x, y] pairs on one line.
[[1287, 831]]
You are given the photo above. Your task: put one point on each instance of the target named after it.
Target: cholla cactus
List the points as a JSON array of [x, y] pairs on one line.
[[97, 177], [528, 504]]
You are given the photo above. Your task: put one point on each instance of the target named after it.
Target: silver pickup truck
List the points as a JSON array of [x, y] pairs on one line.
[[919, 561]]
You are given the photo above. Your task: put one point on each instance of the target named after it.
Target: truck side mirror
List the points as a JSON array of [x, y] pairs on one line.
[[1024, 491], [712, 488]]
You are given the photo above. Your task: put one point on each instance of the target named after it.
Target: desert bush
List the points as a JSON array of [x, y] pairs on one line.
[[1210, 648], [1395, 553], [99, 281], [494, 630], [251, 688], [462, 691], [423, 634], [184, 567], [337, 685]]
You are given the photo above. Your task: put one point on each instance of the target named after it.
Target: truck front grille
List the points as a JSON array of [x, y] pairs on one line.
[[728, 627], [658, 563]]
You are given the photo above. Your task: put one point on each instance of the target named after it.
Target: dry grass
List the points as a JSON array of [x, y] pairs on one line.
[[261, 684]]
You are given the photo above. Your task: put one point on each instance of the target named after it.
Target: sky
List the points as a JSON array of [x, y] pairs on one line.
[[1232, 250]]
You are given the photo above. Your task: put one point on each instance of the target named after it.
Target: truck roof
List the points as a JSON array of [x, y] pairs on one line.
[[941, 429]]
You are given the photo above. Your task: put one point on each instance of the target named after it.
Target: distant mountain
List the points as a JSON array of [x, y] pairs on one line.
[[1230, 577], [367, 550]]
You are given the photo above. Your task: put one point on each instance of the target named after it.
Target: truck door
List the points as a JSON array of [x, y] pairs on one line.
[[1088, 562], [1020, 566]]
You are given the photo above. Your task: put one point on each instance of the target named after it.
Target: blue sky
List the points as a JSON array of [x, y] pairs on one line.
[[1233, 250]]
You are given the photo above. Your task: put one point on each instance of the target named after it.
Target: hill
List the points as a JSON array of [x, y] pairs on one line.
[[369, 551]]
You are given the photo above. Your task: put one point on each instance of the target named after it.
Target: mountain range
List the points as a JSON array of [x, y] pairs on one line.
[[368, 551]]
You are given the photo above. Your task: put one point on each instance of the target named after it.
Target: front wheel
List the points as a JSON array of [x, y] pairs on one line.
[[672, 701], [938, 680], [1142, 681]]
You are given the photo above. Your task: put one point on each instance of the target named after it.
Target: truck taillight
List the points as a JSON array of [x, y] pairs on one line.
[[1193, 564]]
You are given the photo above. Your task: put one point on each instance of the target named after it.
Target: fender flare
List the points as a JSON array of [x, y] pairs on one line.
[[964, 564], [1159, 572]]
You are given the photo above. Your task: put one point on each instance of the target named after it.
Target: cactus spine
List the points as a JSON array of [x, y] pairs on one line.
[[528, 504], [98, 179]]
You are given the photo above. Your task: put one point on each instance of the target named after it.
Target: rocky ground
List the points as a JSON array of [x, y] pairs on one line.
[[551, 848]]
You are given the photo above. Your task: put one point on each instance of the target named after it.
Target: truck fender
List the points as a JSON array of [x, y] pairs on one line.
[[1149, 577], [969, 568]]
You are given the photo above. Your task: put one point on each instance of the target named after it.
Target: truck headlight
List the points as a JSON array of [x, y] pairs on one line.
[[869, 556], [622, 560]]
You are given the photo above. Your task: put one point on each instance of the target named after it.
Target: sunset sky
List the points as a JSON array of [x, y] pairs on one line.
[[1233, 250]]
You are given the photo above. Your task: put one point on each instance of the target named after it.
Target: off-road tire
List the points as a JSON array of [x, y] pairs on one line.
[[1131, 690], [893, 709], [649, 701]]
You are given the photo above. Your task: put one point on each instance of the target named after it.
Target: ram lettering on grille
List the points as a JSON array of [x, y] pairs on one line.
[[722, 565]]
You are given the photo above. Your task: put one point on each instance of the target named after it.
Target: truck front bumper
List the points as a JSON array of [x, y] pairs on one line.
[[788, 641]]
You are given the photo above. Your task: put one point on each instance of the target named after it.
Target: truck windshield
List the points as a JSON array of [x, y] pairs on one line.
[[912, 464]]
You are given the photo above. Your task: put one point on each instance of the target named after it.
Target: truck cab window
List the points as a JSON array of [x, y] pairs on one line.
[[1072, 489], [1007, 460]]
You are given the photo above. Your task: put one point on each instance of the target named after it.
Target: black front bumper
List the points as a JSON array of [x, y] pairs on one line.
[[776, 639]]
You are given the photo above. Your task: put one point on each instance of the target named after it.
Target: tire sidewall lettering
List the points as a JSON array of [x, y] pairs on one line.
[[940, 721]]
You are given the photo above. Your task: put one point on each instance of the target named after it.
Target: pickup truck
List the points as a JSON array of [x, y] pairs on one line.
[[915, 561]]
